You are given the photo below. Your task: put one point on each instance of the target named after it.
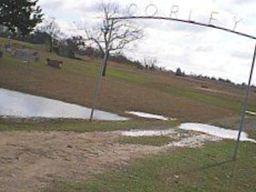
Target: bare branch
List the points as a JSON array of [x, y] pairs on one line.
[[119, 33], [113, 35]]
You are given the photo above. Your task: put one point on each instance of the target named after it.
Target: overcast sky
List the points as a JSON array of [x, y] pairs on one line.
[[194, 49]]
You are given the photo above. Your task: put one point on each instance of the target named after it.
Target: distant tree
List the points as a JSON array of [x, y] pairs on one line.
[[70, 46], [20, 15], [52, 29], [179, 72], [89, 51], [4, 31], [150, 63], [115, 35], [38, 37], [121, 58], [75, 43]]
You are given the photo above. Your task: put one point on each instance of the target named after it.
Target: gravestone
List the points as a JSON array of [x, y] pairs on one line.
[[26, 55], [8, 48]]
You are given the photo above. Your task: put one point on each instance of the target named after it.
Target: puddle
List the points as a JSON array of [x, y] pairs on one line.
[[20, 105], [149, 116], [251, 113], [215, 131], [147, 133]]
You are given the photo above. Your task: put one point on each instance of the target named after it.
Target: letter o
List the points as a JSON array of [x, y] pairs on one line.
[[132, 9], [151, 7]]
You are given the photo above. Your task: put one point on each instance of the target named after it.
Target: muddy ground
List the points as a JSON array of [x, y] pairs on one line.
[[30, 161]]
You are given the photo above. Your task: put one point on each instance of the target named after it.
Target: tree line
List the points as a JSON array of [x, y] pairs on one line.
[[21, 16], [109, 37], [19, 20]]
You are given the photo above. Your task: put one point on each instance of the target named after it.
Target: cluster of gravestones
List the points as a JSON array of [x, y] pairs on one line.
[[27, 55], [22, 53], [5, 49]]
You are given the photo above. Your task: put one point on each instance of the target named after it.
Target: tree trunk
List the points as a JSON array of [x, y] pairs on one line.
[[105, 65], [51, 45]]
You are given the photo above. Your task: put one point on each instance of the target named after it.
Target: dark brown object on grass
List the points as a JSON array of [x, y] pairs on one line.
[[54, 63]]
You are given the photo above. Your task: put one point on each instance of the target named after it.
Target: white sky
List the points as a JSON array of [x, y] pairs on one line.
[[194, 49]]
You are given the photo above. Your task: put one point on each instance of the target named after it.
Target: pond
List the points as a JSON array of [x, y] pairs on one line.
[[21, 105]]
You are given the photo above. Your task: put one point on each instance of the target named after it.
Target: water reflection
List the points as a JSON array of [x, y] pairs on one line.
[[16, 104]]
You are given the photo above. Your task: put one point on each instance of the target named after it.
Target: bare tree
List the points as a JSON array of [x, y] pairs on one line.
[[52, 29], [150, 63], [114, 35]]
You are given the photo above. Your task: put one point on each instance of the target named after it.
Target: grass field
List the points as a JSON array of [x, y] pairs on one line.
[[123, 88], [80, 126], [119, 163]]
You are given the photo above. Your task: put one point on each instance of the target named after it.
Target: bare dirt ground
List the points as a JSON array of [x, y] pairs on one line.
[[29, 161]]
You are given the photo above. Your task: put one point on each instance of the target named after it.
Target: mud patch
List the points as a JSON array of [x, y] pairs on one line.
[[30, 161], [194, 141]]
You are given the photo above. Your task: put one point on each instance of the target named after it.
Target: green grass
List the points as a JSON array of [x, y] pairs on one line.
[[153, 141], [21, 44], [209, 99], [187, 170], [127, 76], [80, 126], [124, 88]]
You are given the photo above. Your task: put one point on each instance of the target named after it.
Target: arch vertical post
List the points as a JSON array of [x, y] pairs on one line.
[[245, 106], [105, 30], [98, 86]]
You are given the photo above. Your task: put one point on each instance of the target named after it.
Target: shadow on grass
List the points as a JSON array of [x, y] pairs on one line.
[[214, 165]]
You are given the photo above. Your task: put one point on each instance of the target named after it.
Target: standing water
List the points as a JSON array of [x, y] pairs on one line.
[[20, 105], [148, 115], [215, 131]]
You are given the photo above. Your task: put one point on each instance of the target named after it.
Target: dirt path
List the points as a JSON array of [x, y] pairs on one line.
[[30, 161]]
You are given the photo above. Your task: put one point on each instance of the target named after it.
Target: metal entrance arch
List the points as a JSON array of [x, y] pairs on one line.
[[246, 97]]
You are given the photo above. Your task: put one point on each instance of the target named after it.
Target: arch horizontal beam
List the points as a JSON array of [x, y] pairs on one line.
[[184, 21]]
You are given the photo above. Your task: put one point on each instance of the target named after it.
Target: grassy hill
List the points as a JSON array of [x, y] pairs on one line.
[[33, 149], [124, 88]]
